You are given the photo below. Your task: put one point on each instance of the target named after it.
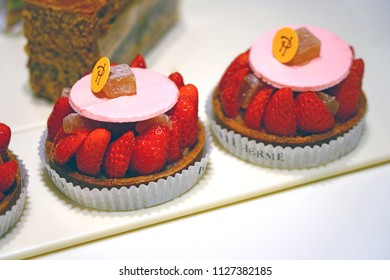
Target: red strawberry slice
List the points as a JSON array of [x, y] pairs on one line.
[[187, 114], [8, 172], [348, 91], [89, 156], [67, 145], [174, 150], [150, 150], [177, 78], [138, 62], [253, 117], [230, 93], [60, 110], [5, 137], [279, 116], [192, 92], [312, 114], [240, 62], [118, 155]]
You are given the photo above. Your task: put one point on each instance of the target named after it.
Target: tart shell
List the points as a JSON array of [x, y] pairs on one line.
[[131, 193]]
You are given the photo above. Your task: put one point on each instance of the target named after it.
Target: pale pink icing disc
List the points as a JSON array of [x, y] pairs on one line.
[[156, 94], [327, 70]]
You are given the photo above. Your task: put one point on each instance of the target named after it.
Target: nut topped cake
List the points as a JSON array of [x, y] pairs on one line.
[[66, 37], [293, 100]]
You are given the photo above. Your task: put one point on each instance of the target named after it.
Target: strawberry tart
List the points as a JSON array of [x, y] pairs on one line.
[[291, 112], [13, 183], [134, 143]]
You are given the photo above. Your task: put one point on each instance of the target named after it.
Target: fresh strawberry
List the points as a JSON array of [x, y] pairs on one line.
[[60, 110], [5, 137], [312, 114], [230, 93], [254, 113], [279, 116], [59, 135], [174, 150], [138, 62], [150, 150], [348, 91], [240, 62], [8, 172], [89, 156], [192, 92], [68, 145], [186, 113], [177, 78], [118, 155]]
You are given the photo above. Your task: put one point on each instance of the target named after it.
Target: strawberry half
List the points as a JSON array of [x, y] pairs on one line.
[[253, 117], [150, 150], [8, 172], [192, 92], [138, 62], [185, 110], [177, 78], [229, 94], [348, 91], [118, 155], [67, 145], [279, 116], [5, 137], [60, 110], [240, 62], [174, 150], [89, 156], [312, 114]]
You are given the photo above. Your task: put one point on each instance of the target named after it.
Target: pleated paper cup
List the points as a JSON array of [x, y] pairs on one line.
[[10, 218], [287, 157], [134, 197]]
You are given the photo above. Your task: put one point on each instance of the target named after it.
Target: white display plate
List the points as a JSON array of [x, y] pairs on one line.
[[50, 221]]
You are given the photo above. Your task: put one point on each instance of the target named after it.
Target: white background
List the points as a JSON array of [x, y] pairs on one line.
[[346, 217]]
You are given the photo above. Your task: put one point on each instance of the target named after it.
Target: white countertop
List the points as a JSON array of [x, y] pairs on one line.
[[344, 217]]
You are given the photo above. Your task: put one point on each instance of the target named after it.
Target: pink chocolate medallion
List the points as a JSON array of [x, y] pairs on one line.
[[327, 70], [156, 94]]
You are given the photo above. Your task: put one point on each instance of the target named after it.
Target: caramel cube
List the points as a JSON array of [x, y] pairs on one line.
[[121, 81], [309, 47]]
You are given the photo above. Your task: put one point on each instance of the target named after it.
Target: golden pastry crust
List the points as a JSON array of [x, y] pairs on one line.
[[238, 126], [72, 175], [14, 192]]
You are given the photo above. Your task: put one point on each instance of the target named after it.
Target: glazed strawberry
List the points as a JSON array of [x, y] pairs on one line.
[[230, 94], [174, 150], [118, 155], [348, 91], [60, 110], [89, 156], [150, 150], [192, 92], [8, 172], [186, 113], [138, 62], [240, 62], [67, 145], [5, 137], [279, 116], [177, 78], [312, 114], [253, 117]]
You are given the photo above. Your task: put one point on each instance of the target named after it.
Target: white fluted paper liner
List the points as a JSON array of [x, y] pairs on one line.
[[287, 158], [133, 197], [9, 219]]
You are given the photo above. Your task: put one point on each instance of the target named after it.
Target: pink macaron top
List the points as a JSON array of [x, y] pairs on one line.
[[156, 94], [327, 70]]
